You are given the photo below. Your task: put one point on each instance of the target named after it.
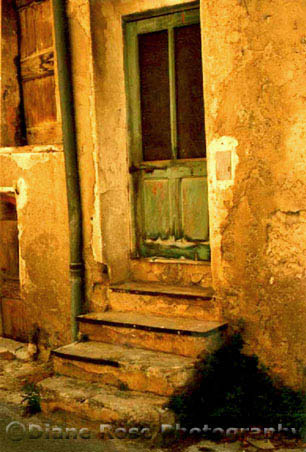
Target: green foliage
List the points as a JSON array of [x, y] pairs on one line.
[[123, 386], [31, 399], [232, 389]]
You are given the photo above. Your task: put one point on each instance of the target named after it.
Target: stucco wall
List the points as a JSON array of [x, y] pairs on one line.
[[37, 175], [254, 71], [254, 77]]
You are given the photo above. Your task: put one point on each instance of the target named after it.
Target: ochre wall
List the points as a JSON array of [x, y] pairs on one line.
[[254, 72], [253, 56], [37, 175]]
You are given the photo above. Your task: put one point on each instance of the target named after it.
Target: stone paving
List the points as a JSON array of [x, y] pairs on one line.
[[49, 431], [41, 433]]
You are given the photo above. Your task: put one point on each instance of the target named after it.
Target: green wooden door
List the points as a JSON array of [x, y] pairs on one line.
[[167, 136]]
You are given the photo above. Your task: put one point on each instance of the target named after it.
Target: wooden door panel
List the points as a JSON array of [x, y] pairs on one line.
[[41, 109], [189, 92], [194, 208], [36, 32], [173, 215], [154, 84], [27, 34], [14, 319], [156, 208], [44, 38], [39, 101]]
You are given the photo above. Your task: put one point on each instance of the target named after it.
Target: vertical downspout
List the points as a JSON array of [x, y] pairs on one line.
[[62, 44]]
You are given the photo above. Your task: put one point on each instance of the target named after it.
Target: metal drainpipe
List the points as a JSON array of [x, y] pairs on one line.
[[62, 44]]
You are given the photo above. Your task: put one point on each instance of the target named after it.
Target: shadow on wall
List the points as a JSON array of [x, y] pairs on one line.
[[233, 390]]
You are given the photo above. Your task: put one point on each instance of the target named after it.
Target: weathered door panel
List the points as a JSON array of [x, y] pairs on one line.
[[194, 208], [173, 213], [156, 209]]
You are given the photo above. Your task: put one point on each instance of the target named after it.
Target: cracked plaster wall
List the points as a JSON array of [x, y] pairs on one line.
[[38, 178], [254, 79], [254, 74]]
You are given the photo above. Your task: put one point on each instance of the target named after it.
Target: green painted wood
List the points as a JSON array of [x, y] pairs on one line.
[[175, 210], [133, 91], [170, 196], [200, 252], [133, 117], [179, 19], [161, 11], [156, 209], [172, 82], [194, 208]]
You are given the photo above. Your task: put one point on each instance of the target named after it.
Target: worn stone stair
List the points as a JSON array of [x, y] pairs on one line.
[[103, 403], [179, 336], [135, 355], [124, 367], [193, 302]]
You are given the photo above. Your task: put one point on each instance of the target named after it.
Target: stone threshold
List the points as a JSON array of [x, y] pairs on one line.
[[156, 288]]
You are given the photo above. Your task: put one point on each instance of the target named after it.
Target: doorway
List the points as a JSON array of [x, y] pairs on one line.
[[11, 304], [167, 136]]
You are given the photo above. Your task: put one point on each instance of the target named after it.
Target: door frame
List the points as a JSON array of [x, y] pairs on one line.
[[132, 25]]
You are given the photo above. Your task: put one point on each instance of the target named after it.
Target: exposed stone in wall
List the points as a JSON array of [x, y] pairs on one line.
[[286, 251]]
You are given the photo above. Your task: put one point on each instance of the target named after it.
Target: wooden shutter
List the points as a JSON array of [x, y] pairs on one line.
[[41, 108]]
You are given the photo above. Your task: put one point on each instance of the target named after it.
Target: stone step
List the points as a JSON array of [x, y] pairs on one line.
[[124, 367], [180, 336], [104, 404], [193, 302]]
